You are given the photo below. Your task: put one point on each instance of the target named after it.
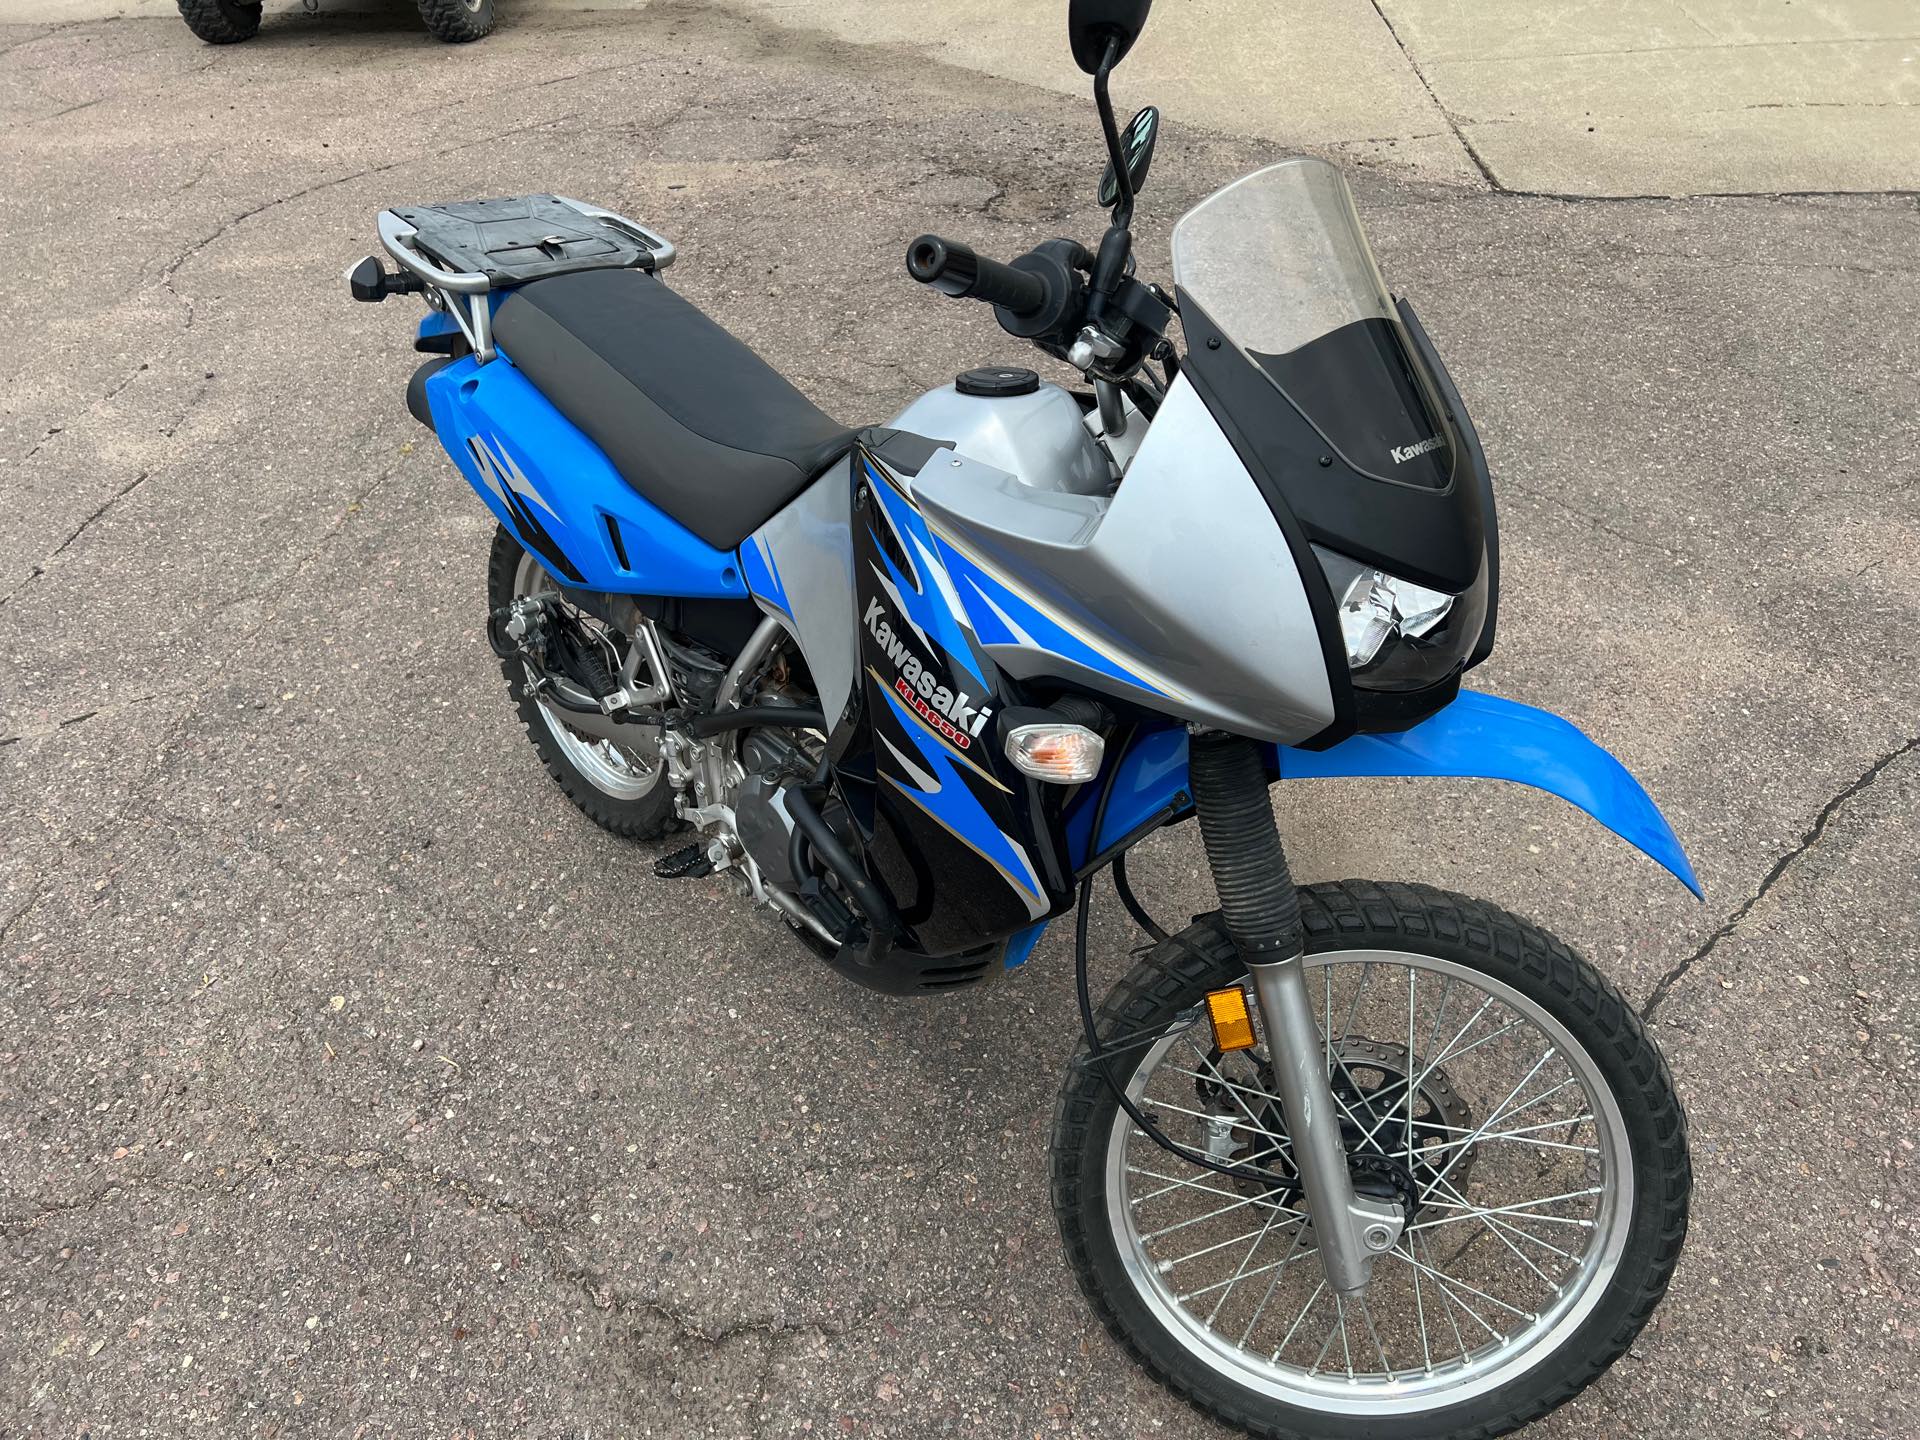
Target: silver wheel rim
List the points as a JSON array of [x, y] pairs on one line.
[[617, 771], [1332, 1355]]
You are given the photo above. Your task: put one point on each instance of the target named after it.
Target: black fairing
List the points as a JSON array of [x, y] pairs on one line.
[[1426, 533], [1472, 459], [951, 894], [1380, 408]]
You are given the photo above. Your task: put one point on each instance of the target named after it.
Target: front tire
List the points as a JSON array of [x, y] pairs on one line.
[[1170, 1288], [620, 790], [458, 21], [221, 22]]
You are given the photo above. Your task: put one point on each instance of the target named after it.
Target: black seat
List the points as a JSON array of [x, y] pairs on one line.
[[692, 419]]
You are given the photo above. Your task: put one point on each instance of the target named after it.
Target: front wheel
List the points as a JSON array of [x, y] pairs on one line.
[[1486, 1080]]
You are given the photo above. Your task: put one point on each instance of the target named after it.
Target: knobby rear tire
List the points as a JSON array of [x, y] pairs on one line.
[[1415, 920], [457, 21], [220, 22]]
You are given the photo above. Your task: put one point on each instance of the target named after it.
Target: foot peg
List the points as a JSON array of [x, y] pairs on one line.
[[690, 863]]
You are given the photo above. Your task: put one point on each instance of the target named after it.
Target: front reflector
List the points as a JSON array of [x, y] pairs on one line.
[[1232, 1025], [1064, 754]]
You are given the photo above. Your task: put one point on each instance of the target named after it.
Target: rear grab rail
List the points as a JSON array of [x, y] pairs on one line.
[[462, 295]]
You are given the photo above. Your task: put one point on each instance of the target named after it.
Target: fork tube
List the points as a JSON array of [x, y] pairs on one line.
[[1262, 913]]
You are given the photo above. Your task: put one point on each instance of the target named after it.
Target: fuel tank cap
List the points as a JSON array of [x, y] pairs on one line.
[[997, 381]]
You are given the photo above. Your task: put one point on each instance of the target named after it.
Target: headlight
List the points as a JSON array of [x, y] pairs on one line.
[[1399, 635]]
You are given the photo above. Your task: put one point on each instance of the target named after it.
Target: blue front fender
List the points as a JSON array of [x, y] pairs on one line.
[[1477, 736]]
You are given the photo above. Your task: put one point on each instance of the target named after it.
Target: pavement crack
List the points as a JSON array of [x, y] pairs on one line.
[[97, 712], [47, 34], [33, 899], [1453, 121], [1606, 528], [1806, 842], [99, 511]]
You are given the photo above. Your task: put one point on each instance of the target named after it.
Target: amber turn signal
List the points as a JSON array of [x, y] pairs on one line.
[[1232, 1025]]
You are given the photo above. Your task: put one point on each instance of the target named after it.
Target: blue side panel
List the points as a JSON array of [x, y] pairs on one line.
[[922, 599], [1002, 616], [1477, 736], [1151, 773], [556, 490], [436, 322]]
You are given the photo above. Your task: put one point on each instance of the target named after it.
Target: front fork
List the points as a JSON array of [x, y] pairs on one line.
[[1262, 913]]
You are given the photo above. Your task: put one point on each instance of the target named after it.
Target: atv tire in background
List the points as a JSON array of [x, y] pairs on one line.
[[457, 21], [220, 22]]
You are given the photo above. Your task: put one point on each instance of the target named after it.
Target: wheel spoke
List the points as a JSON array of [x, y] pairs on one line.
[[1447, 1302], [1239, 1204], [1366, 1314], [1299, 1319], [1494, 1229], [1412, 1089], [1292, 1259], [1359, 993], [1439, 1014], [1499, 1111], [1167, 1267], [1420, 1316], [1299, 1233], [1453, 1282], [1507, 1227], [1246, 1260], [1235, 1090], [1414, 1083], [1174, 1182]]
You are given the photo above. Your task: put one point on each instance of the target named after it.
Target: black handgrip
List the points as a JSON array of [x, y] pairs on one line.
[[953, 269]]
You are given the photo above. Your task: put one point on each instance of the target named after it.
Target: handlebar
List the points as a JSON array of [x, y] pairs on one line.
[[953, 269]]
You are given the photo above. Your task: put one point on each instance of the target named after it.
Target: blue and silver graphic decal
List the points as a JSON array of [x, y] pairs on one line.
[[512, 489], [931, 780], [763, 575], [1002, 615], [925, 600]]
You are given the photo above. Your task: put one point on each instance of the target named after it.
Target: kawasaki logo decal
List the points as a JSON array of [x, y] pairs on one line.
[[952, 715], [1403, 453]]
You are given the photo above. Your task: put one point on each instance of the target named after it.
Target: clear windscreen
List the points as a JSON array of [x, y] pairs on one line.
[[1279, 263]]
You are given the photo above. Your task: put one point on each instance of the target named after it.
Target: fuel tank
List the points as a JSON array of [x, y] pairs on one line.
[[1007, 418]]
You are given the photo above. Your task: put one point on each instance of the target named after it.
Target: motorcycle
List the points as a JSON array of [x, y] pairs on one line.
[[1346, 1159]]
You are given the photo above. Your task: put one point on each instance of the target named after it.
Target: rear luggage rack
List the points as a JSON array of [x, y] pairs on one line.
[[470, 249]]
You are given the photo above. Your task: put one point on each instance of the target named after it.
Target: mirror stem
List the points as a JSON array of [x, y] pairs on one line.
[[1123, 182]]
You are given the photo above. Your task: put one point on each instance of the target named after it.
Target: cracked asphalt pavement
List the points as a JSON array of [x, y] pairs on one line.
[[352, 1084]]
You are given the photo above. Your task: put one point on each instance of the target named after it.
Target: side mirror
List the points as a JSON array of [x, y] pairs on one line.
[[1093, 24], [1136, 144]]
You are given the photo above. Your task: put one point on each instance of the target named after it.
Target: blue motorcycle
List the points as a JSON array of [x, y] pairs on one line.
[[917, 685]]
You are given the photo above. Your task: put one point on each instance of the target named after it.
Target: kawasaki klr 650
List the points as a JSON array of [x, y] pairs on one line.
[[1362, 1159]]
